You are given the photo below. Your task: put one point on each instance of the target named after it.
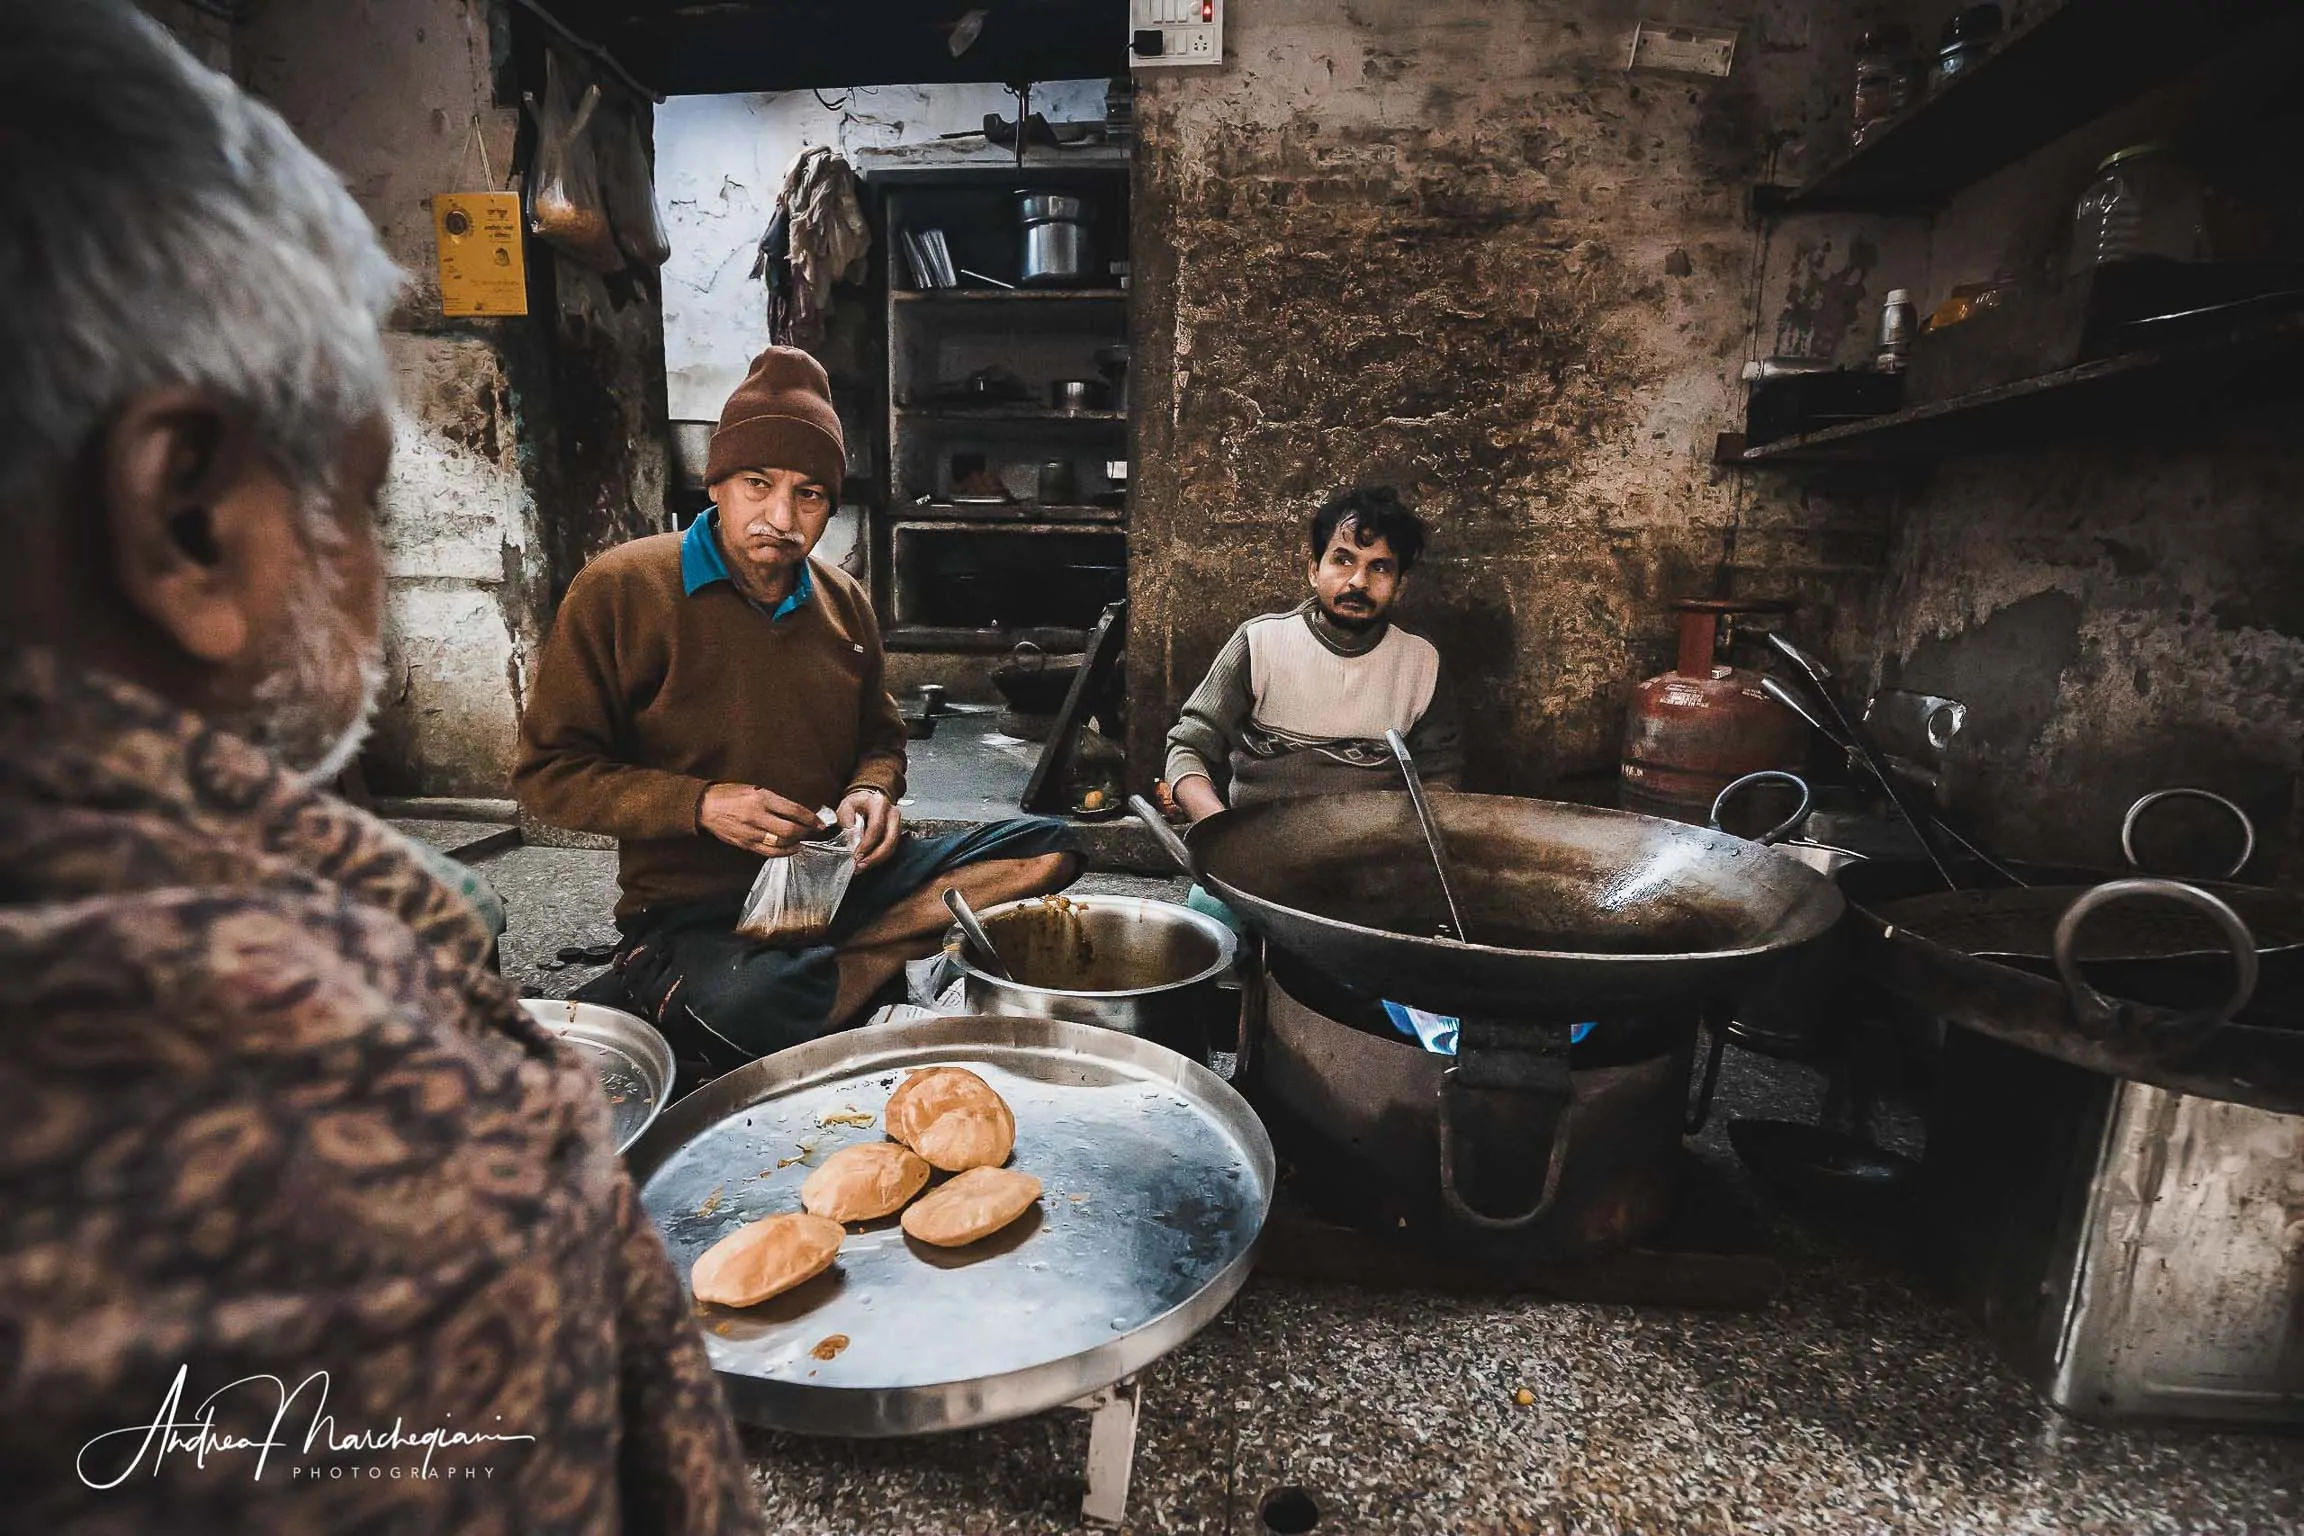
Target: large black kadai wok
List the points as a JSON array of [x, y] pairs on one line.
[[1574, 915], [1574, 911]]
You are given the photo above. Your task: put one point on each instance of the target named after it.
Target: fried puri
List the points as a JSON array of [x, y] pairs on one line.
[[951, 1117], [864, 1182], [766, 1259], [975, 1205]]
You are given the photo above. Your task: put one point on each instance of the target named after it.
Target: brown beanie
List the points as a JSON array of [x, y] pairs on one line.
[[780, 417]]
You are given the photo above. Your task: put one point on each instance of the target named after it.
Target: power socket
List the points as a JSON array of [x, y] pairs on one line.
[[1170, 34]]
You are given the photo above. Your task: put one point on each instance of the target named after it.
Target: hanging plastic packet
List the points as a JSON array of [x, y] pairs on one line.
[[1436, 1032], [794, 899], [564, 203]]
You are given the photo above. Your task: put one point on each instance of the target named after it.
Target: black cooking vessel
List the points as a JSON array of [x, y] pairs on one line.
[[2149, 1009], [1580, 911]]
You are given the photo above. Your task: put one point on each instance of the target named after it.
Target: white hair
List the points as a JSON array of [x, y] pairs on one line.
[[164, 229]]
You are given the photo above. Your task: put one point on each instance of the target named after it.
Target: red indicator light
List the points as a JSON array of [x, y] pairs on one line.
[[1207, 10]]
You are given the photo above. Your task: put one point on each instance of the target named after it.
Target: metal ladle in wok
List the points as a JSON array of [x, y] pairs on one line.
[[1581, 911]]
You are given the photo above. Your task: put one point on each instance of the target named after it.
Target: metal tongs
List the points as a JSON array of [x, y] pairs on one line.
[[1851, 737]]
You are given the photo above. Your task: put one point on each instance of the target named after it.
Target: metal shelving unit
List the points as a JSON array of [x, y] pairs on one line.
[[971, 576]]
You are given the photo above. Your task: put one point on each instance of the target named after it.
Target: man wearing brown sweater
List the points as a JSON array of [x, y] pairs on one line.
[[702, 696]]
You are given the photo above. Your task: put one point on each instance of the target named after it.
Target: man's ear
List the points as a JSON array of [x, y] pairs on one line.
[[192, 515]]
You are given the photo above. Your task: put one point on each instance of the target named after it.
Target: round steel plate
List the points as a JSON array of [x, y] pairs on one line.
[[633, 1061], [1156, 1180]]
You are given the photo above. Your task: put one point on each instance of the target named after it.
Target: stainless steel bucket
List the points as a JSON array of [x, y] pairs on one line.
[[1145, 968], [1055, 237]]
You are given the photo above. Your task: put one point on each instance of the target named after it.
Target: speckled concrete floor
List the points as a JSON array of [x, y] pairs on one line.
[[1854, 1403]]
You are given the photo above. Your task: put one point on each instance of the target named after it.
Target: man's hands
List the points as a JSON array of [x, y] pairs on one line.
[[754, 819], [764, 822], [879, 824]]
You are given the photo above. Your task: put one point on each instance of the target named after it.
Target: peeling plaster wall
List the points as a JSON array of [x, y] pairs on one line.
[[720, 163], [2119, 617], [524, 446], [396, 95], [2126, 612], [1453, 245]]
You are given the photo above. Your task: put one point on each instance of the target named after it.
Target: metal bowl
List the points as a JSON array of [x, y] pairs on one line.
[[1145, 968], [633, 1061]]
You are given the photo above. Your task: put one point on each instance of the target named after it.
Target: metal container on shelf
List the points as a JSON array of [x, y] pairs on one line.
[[1699, 727], [1056, 245], [1968, 36], [691, 450]]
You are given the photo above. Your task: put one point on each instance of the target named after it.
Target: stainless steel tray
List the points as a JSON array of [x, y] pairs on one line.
[[633, 1061], [1156, 1177]]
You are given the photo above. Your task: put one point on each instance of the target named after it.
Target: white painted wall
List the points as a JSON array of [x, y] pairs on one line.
[[720, 161]]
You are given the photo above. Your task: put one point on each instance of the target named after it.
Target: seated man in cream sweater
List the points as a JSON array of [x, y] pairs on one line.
[[1298, 703]]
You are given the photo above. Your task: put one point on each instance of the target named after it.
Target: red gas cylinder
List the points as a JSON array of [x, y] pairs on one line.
[[1702, 725]]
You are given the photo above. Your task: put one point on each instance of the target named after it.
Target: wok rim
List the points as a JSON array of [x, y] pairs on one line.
[[1837, 904]]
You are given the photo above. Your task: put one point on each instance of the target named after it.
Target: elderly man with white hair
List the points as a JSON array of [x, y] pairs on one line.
[[304, 1226]]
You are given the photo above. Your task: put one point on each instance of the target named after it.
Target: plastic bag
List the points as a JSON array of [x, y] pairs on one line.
[[564, 206], [629, 189], [793, 899]]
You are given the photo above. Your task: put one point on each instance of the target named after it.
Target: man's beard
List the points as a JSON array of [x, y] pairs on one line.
[[314, 712], [1357, 621]]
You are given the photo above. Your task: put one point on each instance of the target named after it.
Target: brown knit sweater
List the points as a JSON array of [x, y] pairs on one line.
[[647, 695]]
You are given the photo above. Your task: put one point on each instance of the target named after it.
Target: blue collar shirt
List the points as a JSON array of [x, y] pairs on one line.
[[701, 565]]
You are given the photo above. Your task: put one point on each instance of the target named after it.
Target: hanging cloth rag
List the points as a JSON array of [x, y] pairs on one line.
[[826, 240]]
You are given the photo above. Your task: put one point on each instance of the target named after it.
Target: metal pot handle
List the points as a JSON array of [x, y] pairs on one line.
[[2185, 792], [1561, 1132], [1789, 824], [2095, 1011], [1253, 1002], [1162, 833]]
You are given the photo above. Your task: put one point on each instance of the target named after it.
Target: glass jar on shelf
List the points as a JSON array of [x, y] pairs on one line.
[[2145, 204], [1887, 80], [1967, 37]]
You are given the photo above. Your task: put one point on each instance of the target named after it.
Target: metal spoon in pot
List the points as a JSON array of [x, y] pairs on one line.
[[1415, 781], [965, 916]]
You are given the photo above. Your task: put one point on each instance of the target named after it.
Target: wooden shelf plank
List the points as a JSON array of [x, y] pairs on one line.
[[2072, 65], [2237, 364]]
